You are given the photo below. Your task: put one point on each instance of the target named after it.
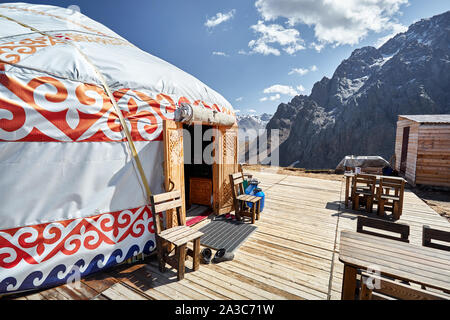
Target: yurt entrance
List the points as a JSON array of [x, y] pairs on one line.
[[198, 160], [198, 149]]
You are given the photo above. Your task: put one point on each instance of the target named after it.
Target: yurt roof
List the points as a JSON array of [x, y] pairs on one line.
[[36, 39]]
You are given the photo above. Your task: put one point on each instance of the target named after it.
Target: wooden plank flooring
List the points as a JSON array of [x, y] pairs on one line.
[[292, 255]]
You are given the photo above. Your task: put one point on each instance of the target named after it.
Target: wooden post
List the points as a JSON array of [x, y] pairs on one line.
[[253, 213], [181, 256], [160, 254], [380, 209], [196, 255], [348, 283], [347, 188]]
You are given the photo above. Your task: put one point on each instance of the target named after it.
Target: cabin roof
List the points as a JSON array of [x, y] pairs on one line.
[[428, 118]]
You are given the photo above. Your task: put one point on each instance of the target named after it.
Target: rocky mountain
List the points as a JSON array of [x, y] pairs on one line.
[[355, 112], [249, 125]]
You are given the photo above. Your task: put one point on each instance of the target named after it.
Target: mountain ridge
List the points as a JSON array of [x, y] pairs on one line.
[[355, 111]]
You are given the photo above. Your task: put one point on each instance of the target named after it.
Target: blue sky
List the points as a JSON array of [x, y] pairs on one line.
[[256, 53]]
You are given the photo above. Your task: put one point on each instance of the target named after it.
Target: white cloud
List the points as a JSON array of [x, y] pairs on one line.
[[278, 88], [263, 48], [243, 52], [239, 99], [275, 97], [237, 110], [300, 71], [303, 71], [219, 18], [219, 53], [300, 88], [274, 34], [251, 110], [263, 99], [317, 46], [335, 22]]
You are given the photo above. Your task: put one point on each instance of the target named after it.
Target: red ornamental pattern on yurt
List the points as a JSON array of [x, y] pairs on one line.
[[77, 111], [40, 105], [41, 243]]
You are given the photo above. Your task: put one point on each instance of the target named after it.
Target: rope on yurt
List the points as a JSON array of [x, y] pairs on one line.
[[131, 145], [113, 101]]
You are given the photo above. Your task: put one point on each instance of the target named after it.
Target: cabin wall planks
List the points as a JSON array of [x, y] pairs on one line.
[[428, 157]]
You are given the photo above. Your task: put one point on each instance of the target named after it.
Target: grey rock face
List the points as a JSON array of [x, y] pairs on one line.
[[355, 112], [251, 124]]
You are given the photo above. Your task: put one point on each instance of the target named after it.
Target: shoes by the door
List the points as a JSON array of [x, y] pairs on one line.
[[221, 255]]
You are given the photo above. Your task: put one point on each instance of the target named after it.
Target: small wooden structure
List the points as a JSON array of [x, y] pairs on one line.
[[422, 149]]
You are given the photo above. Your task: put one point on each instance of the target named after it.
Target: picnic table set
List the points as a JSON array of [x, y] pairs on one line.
[[369, 189], [379, 262]]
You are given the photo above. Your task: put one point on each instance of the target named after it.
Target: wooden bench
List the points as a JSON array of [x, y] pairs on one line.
[[375, 287], [399, 228], [363, 186], [240, 199], [429, 234], [175, 238]]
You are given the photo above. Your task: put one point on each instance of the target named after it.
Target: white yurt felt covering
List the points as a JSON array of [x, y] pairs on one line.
[[71, 199]]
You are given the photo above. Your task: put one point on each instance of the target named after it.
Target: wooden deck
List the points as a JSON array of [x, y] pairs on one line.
[[292, 255]]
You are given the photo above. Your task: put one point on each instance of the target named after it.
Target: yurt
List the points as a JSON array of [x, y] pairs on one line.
[[90, 127]]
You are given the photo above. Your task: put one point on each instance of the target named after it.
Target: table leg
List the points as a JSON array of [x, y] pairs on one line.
[[348, 283]]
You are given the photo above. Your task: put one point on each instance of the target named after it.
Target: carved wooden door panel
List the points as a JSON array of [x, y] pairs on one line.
[[173, 165], [225, 152]]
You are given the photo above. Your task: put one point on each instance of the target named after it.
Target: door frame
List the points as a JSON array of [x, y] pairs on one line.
[[173, 165], [225, 142], [404, 150]]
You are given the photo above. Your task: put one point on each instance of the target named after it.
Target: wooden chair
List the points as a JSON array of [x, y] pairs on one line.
[[363, 186], [399, 228], [390, 201], [176, 237], [240, 199], [429, 234], [382, 288]]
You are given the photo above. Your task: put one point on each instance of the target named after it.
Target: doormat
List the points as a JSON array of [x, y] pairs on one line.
[[225, 233]]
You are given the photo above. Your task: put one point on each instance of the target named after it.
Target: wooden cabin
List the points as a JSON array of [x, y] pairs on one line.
[[422, 149]]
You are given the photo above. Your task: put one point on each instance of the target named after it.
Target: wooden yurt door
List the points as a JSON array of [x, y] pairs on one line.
[[225, 153], [173, 164]]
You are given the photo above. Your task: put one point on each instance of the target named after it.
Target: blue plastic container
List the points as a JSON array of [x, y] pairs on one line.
[[253, 190], [259, 193], [250, 188]]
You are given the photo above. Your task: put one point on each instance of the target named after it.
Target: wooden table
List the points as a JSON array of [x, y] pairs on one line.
[[348, 176], [401, 260]]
